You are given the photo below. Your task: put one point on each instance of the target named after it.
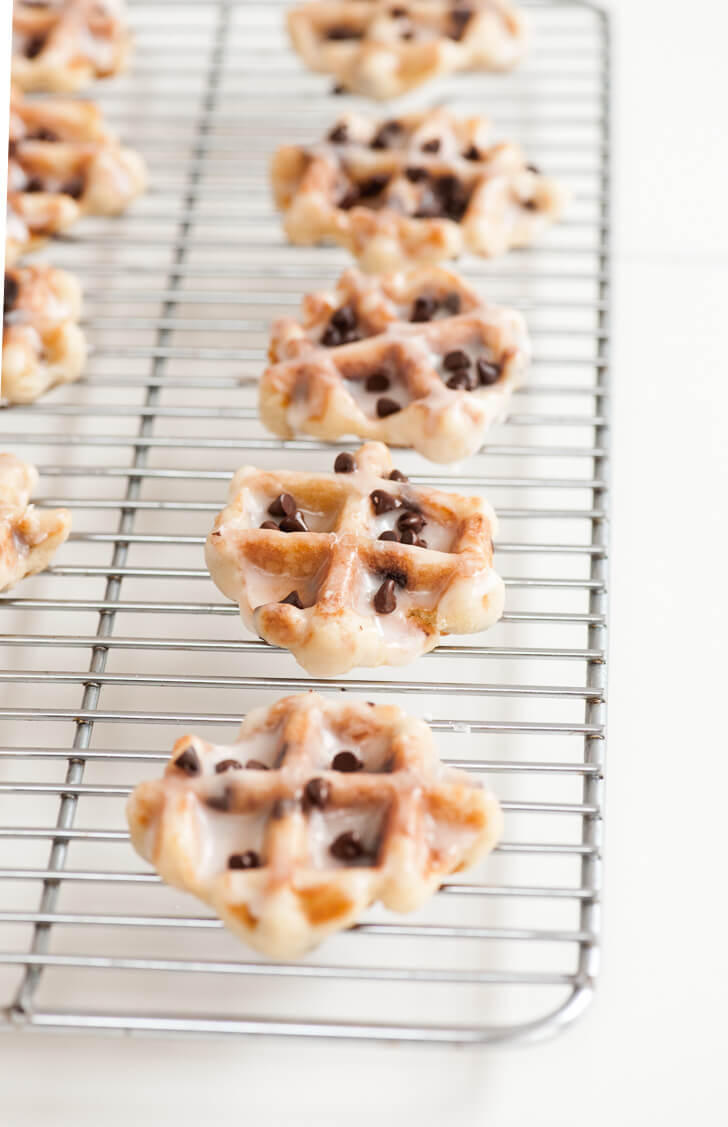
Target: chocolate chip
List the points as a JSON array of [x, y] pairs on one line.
[[387, 406], [346, 761], [295, 523], [407, 34], [453, 195], [10, 294], [344, 318], [282, 807], [415, 521], [12, 149], [378, 381], [420, 543], [247, 860], [293, 600], [222, 801], [347, 847], [530, 205], [455, 359], [42, 134], [227, 765], [256, 765], [414, 175], [472, 153], [316, 793], [74, 187], [461, 380], [533, 168], [284, 505], [350, 198], [339, 31], [382, 502], [397, 576], [397, 475], [389, 535], [424, 309], [269, 524], [331, 337], [386, 135], [398, 13], [34, 46], [33, 184], [452, 303], [459, 19], [385, 600], [431, 146], [188, 761], [487, 373], [408, 537], [339, 134], [344, 463], [338, 89]]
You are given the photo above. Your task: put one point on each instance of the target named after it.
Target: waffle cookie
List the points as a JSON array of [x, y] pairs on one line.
[[63, 163], [316, 811], [28, 538], [381, 49], [354, 568], [414, 189], [62, 45], [42, 343], [414, 359]]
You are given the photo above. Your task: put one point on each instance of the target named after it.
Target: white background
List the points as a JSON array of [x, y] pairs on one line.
[[652, 1048]]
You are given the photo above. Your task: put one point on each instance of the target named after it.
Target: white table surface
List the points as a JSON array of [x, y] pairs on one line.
[[651, 1049]]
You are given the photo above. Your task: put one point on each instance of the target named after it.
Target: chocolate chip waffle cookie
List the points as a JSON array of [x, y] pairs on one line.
[[316, 811], [354, 568], [42, 343], [382, 49], [414, 189], [413, 359], [61, 45], [28, 538], [63, 162]]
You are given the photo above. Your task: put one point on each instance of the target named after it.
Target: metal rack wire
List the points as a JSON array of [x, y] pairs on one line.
[[124, 643]]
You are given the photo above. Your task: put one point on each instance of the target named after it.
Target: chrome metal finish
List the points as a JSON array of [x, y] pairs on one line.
[[124, 643]]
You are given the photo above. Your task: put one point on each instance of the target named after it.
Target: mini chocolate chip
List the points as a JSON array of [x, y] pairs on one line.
[[256, 765], [284, 505], [42, 134], [346, 761], [337, 88], [344, 318], [293, 600], [530, 205], [227, 765], [408, 536], [378, 381], [10, 294], [487, 373], [407, 34], [455, 359], [424, 309], [420, 543], [397, 475], [414, 175], [461, 380], [34, 46], [533, 168], [459, 18], [387, 406], [347, 847], [382, 502], [343, 32], [247, 860], [74, 187], [222, 801], [452, 303], [431, 146], [339, 134], [415, 521], [283, 806], [269, 524], [389, 535], [397, 576], [295, 523], [188, 761], [344, 463], [33, 184], [385, 135], [385, 600], [373, 186], [472, 153], [316, 793]]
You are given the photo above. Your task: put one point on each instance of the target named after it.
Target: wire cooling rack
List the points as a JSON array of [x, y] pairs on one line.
[[125, 644]]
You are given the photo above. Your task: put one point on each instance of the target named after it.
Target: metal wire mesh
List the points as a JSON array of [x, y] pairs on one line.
[[124, 644]]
